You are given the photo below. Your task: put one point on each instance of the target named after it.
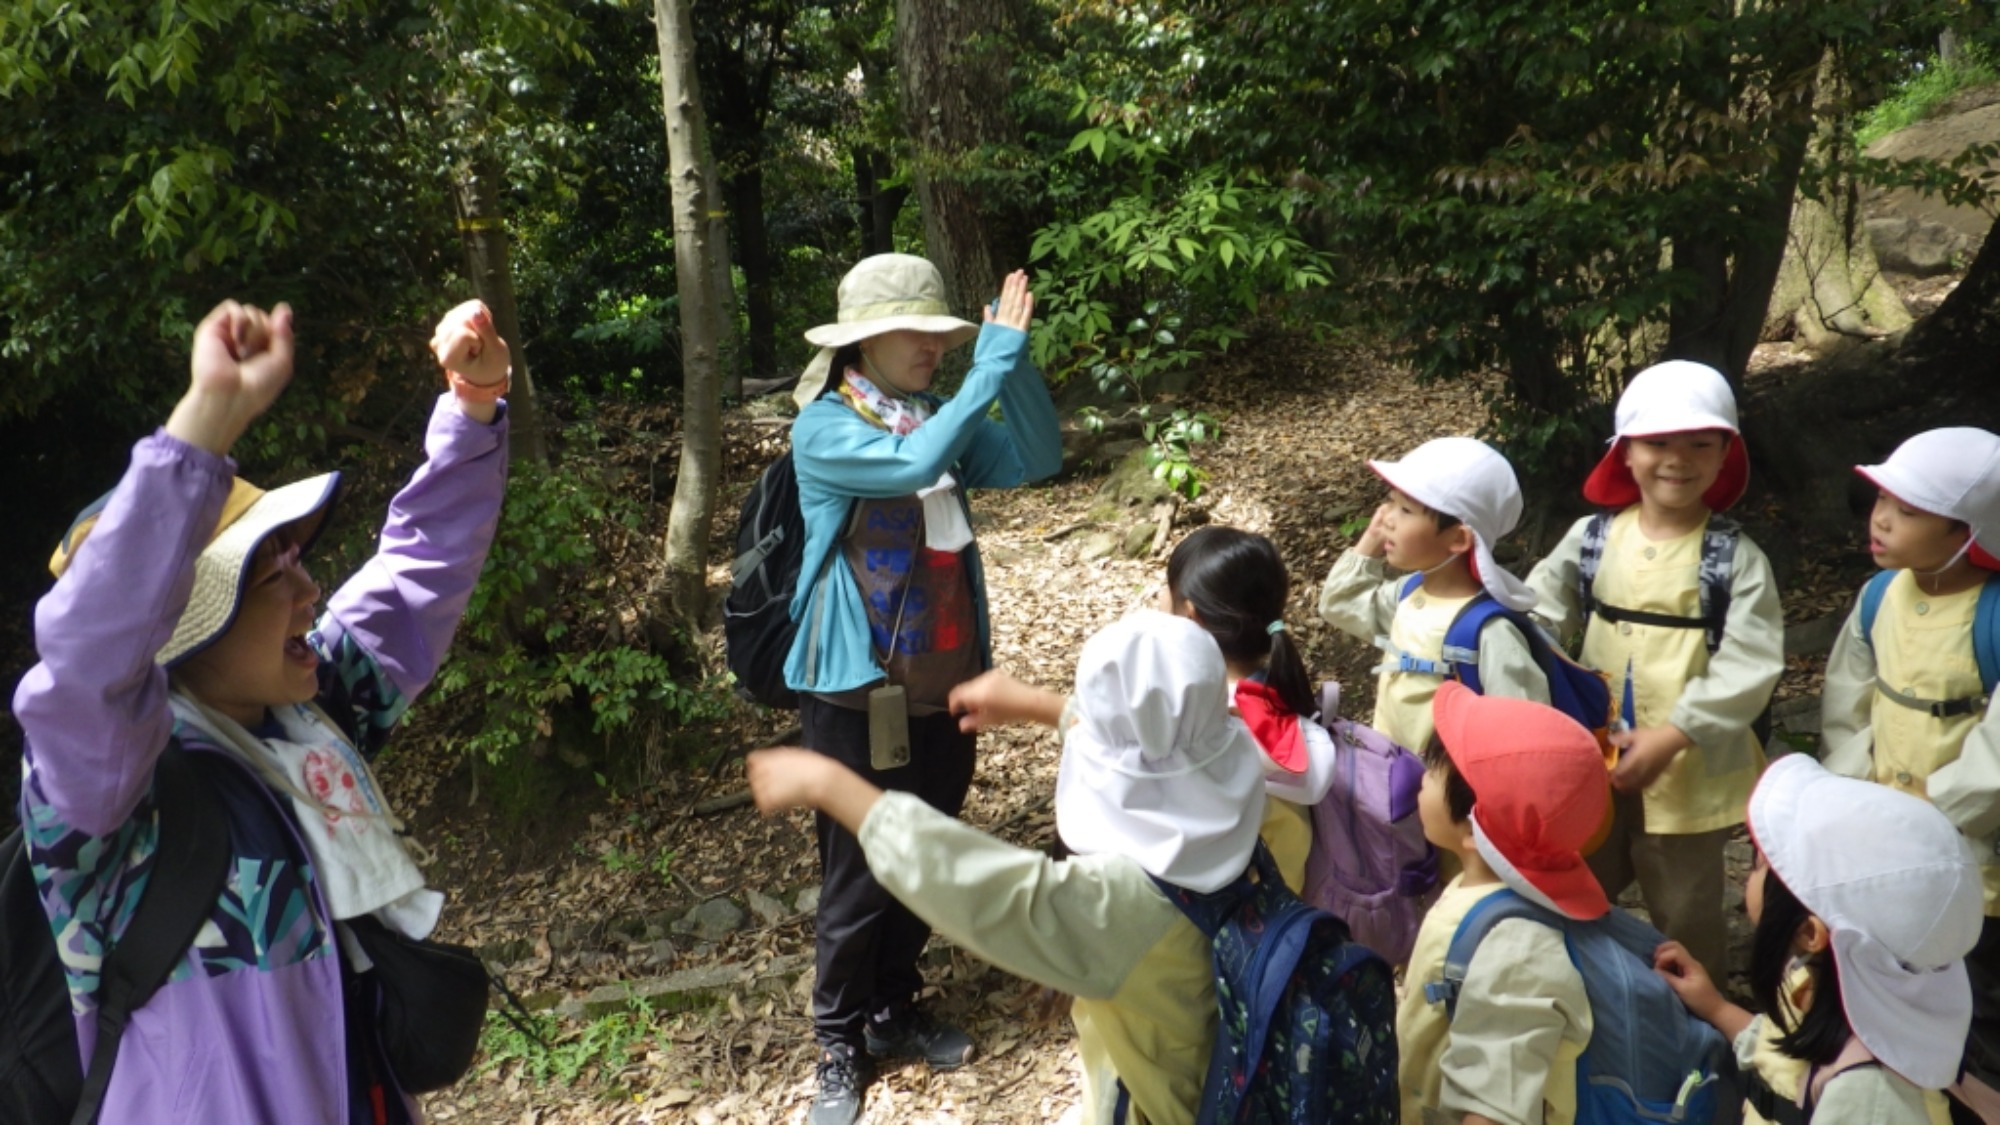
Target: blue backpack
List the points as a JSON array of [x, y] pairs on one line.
[[1576, 691], [1649, 1059], [1308, 1016], [1985, 646]]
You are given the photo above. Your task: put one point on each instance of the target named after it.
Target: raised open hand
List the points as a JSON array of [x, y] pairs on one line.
[[1016, 306]]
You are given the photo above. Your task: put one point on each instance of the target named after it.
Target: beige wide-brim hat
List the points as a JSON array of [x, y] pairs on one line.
[[884, 293], [249, 516]]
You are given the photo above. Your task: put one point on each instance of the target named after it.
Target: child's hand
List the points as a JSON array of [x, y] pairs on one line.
[[984, 701], [993, 699], [465, 341], [1687, 978], [1373, 541], [241, 360], [788, 777], [1644, 754], [785, 778], [1016, 306]]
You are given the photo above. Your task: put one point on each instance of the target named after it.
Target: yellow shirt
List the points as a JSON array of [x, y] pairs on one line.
[[1785, 1074], [1523, 1019], [1922, 647], [1288, 833], [1359, 601], [1712, 698]]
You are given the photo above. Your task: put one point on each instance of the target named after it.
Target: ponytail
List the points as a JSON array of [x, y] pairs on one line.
[[1237, 585]]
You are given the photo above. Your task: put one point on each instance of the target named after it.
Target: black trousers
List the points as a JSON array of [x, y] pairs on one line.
[[867, 943], [1982, 1048]]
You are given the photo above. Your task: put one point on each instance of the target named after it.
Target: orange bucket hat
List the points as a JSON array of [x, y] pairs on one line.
[[1540, 793]]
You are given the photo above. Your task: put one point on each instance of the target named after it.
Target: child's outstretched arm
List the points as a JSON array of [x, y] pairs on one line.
[[95, 708], [1042, 919], [786, 778], [1697, 991], [1358, 597], [398, 613], [995, 698]]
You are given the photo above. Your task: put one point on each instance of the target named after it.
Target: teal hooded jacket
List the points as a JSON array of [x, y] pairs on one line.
[[840, 456]]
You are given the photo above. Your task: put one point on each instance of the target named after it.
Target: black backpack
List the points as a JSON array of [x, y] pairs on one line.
[[41, 1076], [757, 625]]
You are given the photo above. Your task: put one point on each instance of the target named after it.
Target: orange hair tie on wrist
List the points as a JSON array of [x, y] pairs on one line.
[[469, 391]]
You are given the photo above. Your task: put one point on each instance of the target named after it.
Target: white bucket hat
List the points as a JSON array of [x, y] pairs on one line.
[[1468, 480], [1953, 472], [249, 516], [1901, 892], [1155, 768], [1675, 397], [883, 293]]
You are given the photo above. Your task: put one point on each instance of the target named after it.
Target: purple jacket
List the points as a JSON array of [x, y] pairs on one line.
[[251, 1026]]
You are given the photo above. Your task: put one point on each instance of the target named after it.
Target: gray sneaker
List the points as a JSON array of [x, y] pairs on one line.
[[913, 1034], [844, 1074]]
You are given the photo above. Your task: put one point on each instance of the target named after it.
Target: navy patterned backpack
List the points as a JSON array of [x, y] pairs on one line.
[[1308, 1015]]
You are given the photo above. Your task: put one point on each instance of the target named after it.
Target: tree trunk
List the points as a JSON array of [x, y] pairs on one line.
[[722, 278], [1964, 332], [953, 63], [1829, 285], [876, 206], [1807, 433], [746, 199], [1721, 323], [483, 232], [696, 247]]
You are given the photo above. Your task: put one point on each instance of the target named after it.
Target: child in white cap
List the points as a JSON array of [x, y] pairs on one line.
[[1908, 700], [1157, 780], [1865, 902], [1450, 500], [1680, 608]]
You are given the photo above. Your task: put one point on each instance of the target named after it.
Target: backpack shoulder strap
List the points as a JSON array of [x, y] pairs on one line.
[[1855, 1055], [1986, 633], [1409, 586], [189, 869], [1595, 533], [1871, 604], [1461, 637], [1329, 703], [1485, 914], [1718, 570]]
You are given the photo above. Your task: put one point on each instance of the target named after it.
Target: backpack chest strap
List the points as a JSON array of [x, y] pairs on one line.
[[1616, 614], [1449, 658], [1935, 708]]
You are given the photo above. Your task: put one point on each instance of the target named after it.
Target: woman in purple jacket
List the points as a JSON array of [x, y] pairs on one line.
[[182, 622]]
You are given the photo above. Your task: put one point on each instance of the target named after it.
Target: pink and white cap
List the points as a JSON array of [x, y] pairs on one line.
[[1899, 888], [1675, 397], [1952, 472], [1470, 481]]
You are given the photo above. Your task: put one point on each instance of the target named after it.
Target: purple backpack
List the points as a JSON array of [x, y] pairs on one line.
[[1370, 864]]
